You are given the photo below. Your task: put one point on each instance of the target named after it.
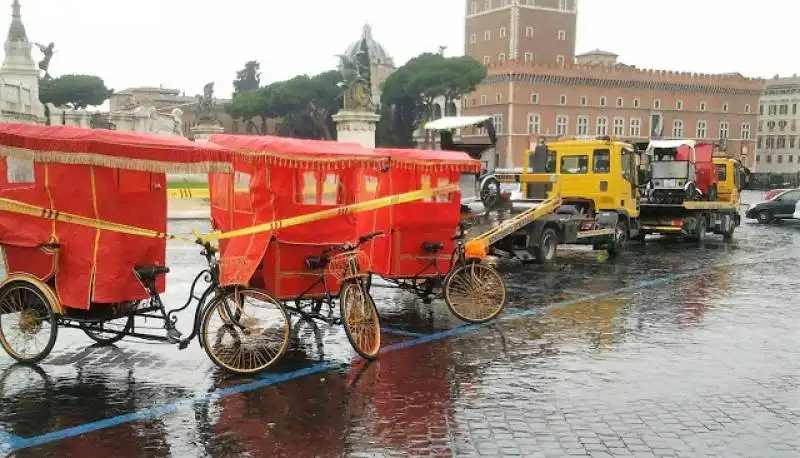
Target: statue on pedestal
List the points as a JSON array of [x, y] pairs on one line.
[[48, 52], [356, 82], [205, 104]]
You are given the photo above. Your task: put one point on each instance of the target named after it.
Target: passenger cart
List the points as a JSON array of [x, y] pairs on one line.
[[310, 268], [83, 217], [424, 249]]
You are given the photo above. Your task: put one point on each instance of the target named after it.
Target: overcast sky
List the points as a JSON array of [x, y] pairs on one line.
[[186, 43]]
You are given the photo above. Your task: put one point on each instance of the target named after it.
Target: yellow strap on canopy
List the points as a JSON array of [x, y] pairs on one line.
[[368, 205]]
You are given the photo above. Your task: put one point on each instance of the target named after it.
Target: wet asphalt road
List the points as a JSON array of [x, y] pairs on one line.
[[674, 350]]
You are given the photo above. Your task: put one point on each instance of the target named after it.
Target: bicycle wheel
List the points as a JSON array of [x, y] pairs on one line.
[[475, 292], [108, 332], [252, 342], [25, 317], [360, 319]]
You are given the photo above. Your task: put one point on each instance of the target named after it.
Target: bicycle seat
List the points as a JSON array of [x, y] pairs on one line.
[[432, 247], [317, 262], [148, 272]]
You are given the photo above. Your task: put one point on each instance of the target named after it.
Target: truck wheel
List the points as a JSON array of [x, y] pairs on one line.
[[764, 217], [548, 246], [490, 193], [617, 246]]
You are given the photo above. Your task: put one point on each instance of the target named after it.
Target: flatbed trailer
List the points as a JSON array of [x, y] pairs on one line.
[[690, 219]]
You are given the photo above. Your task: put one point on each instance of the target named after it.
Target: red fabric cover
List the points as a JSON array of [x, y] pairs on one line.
[[100, 143], [258, 148], [93, 265], [412, 224]]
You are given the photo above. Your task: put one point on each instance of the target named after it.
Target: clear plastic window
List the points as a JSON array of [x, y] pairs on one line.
[[308, 191], [330, 189], [442, 181], [425, 181], [20, 171]]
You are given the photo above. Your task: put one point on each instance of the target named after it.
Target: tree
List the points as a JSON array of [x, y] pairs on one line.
[[75, 91], [411, 90], [248, 78]]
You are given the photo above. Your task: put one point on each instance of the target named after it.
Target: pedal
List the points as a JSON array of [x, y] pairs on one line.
[[173, 335], [183, 344]]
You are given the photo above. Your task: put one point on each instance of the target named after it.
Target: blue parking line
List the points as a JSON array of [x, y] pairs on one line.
[[402, 332], [18, 443], [9, 442]]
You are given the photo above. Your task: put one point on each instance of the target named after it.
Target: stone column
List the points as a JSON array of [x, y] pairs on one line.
[[356, 127], [202, 132]]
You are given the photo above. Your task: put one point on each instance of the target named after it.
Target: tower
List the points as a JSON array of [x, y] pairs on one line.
[[540, 31], [19, 69]]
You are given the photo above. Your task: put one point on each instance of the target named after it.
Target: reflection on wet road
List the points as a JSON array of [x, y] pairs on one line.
[[674, 350]]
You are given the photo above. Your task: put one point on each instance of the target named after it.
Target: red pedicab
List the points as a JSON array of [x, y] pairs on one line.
[[309, 266], [424, 255], [83, 218]]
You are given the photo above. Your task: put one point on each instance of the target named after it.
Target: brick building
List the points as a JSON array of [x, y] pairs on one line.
[[537, 87]]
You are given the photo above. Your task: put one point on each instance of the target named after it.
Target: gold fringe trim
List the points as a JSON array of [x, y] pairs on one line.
[[360, 207], [301, 161], [101, 160], [438, 166]]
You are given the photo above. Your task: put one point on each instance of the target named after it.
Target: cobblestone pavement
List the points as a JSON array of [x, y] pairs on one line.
[[675, 350]]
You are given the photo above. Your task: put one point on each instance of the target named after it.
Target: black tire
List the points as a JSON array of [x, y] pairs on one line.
[[617, 246], [700, 232], [490, 193], [98, 331], [354, 298], [764, 217], [31, 303], [241, 331], [547, 248], [470, 282]]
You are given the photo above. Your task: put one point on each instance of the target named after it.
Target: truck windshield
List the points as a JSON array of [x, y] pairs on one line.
[[670, 169]]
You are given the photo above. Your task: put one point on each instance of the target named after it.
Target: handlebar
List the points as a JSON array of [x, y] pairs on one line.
[[347, 246]]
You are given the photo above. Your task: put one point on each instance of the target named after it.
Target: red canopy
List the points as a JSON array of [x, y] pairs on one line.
[[295, 152], [110, 148], [436, 159]]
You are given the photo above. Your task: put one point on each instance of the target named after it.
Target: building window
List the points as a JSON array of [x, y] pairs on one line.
[[487, 35], [501, 57], [679, 105], [782, 125], [602, 126], [780, 158], [769, 159], [562, 35], [758, 159], [780, 143], [745, 131], [794, 125], [529, 31], [794, 108], [560, 59], [602, 101], [562, 99], [484, 99], [657, 104], [791, 158], [473, 38], [636, 103], [635, 127], [620, 102], [724, 107], [535, 98], [702, 106], [772, 110], [783, 109], [619, 127], [724, 130], [761, 126], [702, 129], [761, 109], [582, 125], [534, 123], [498, 98], [528, 57], [486, 60], [502, 32], [498, 123], [584, 100], [747, 108], [677, 128], [562, 125]]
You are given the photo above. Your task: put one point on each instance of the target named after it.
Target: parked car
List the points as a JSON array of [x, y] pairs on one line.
[[773, 192], [781, 206]]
